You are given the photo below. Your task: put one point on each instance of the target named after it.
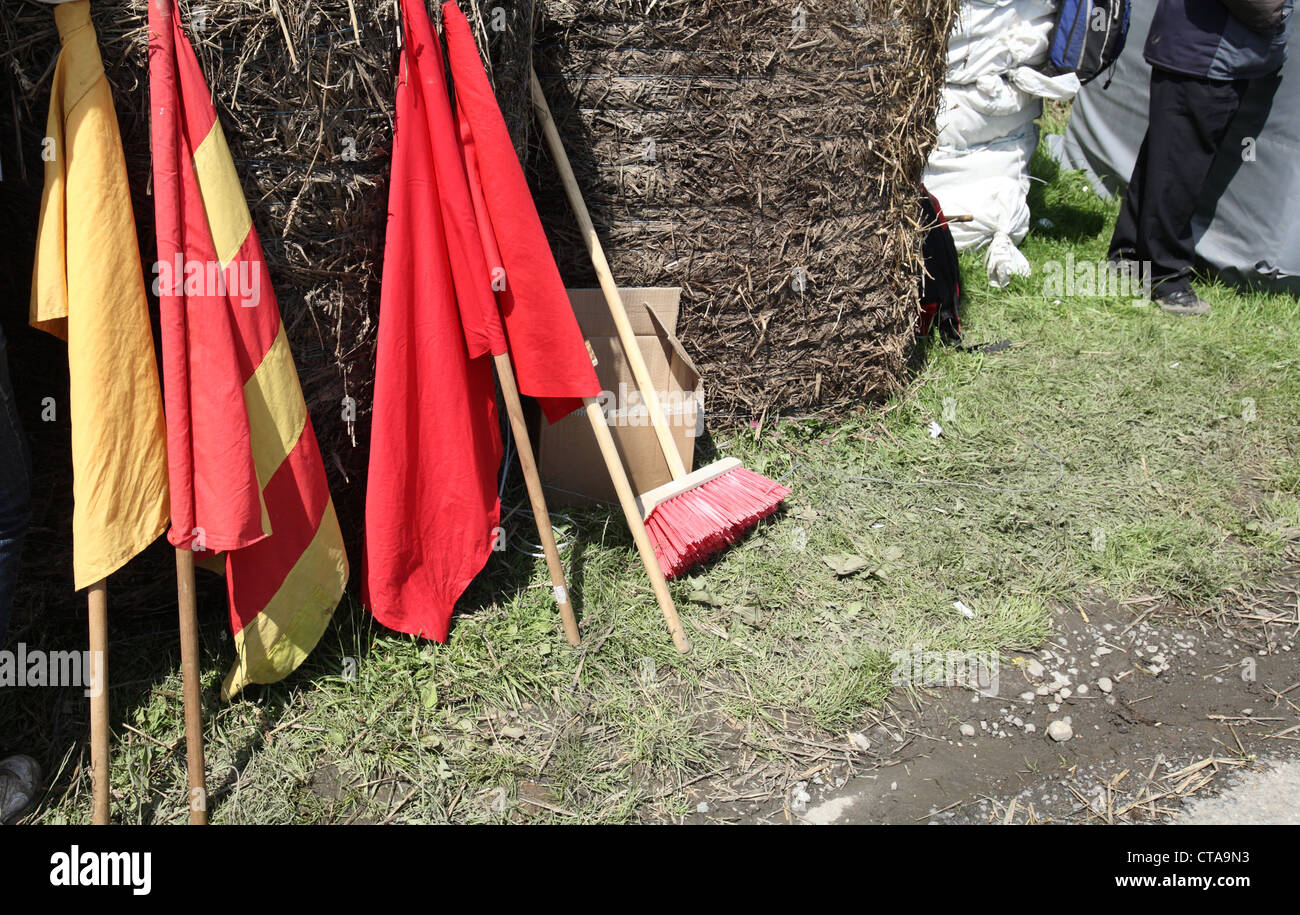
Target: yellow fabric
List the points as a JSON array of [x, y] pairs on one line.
[[223, 196], [283, 634], [88, 288], [277, 414]]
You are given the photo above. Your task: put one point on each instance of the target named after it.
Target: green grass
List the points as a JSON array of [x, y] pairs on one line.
[[1112, 450]]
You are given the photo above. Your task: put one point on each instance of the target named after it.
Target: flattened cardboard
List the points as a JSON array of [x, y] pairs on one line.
[[569, 461]]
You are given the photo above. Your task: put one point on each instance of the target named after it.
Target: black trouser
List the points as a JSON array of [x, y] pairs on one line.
[[1189, 118], [15, 487]]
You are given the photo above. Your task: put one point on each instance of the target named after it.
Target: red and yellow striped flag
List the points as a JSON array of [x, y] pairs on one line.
[[247, 478]]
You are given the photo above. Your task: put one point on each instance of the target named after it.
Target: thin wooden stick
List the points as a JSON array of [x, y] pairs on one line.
[[193, 689], [524, 444], [97, 603], [627, 499], [626, 335]]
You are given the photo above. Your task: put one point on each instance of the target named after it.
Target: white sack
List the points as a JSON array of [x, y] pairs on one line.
[[980, 165], [990, 182], [992, 38], [985, 111]]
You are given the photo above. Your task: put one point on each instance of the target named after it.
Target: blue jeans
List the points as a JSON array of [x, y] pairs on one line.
[[15, 491]]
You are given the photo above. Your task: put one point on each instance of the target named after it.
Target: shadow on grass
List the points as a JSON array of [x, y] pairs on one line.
[[1072, 211]]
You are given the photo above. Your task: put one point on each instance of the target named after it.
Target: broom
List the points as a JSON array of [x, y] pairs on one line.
[[696, 515]]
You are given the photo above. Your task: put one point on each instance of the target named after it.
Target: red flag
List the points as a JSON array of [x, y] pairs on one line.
[[546, 345], [245, 470], [431, 504]]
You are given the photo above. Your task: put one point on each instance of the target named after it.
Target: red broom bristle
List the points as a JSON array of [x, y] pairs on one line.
[[704, 521]]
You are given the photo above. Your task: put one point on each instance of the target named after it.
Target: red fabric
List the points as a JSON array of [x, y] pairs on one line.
[[214, 487], [431, 502], [549, 354], [211, 348]]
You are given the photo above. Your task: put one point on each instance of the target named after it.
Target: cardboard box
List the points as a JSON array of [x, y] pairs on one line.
[[569, 461]]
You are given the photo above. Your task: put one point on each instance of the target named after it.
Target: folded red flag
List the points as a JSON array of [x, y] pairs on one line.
[[431, 502], [546, 345]]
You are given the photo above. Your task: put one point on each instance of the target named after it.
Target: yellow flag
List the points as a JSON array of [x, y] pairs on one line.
[[88, 289]]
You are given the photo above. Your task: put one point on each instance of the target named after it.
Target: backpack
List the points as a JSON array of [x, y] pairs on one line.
[[940, 279], [1087, 38]]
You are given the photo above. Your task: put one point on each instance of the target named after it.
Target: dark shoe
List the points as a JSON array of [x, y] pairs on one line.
[[1183, 302], [20, 780]]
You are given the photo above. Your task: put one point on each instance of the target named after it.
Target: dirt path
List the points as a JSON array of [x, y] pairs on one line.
[[1160, 708]]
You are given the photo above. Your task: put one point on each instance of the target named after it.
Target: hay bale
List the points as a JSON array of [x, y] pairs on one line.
[[777, 150], [305, 92], [765, 157]]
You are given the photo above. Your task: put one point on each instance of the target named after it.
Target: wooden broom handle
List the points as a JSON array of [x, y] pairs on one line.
[[627, 499], [625, 334], [527, 461]]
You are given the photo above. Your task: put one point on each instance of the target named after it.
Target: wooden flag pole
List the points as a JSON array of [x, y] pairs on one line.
[[627, 499], [97, 603], [166, 134], [193, 689], [528, 461]]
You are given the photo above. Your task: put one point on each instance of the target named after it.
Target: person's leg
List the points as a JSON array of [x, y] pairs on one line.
[[1189, 120], [15, 491], [1124, 240]]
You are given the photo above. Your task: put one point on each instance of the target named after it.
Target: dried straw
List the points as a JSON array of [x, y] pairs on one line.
[[765, 157], [779, 154], [305, 92]]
